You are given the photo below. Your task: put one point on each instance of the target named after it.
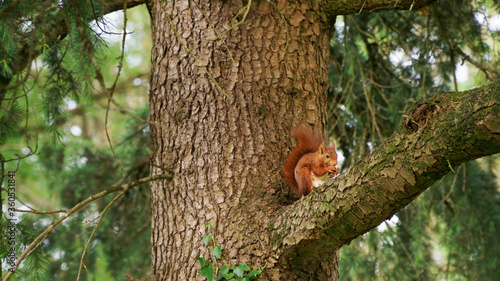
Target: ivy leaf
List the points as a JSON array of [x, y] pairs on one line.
[[208, 272], [206, 239], [239, 271], [223, 273], [245, 266], [228, 276], [201, 260], [254, 273], [217, 252], [224, 270]]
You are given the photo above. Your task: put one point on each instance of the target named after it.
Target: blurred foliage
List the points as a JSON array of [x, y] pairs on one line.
[[59, 61], [382, 63], [450, 232]]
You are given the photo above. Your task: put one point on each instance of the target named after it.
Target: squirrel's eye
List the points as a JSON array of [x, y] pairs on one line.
[[327, 156]]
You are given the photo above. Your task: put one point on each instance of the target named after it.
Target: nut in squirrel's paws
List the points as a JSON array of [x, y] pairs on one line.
[[335, 171]]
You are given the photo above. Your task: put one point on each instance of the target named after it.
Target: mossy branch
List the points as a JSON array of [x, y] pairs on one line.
[[441, 132]]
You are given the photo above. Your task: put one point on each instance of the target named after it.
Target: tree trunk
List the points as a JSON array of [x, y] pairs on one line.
[[226, 152], [227, 86]]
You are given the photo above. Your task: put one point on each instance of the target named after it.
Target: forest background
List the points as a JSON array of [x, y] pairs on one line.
[[56, 128]]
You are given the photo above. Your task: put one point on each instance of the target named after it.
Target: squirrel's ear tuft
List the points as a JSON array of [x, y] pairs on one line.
[[332, 143], [322, 148]]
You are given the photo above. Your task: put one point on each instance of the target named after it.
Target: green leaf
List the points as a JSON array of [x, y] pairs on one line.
[[223, 273], [209, 225], [201, 260], [245, 266], [217, 252], [206, 239], [239, 271], [226, 276], [254, 273], [224, 270], [207, 271], [229, 275]]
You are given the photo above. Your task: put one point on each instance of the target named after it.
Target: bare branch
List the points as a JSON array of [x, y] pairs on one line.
[[94, 231], [40, 212], [117, 187]]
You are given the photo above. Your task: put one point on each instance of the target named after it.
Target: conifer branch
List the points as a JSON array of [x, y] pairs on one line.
[[54, 33], [78, 207]]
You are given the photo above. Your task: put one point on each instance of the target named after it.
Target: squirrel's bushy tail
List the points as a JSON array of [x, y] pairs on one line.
[[309, 141]]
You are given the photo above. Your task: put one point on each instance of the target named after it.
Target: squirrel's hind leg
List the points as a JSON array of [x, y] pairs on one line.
[[304, 181]]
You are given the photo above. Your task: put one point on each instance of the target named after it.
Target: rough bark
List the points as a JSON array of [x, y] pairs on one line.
[[226, 152]]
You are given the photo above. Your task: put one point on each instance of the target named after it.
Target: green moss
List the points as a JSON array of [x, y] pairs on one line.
[[276, 240], [262, 111]]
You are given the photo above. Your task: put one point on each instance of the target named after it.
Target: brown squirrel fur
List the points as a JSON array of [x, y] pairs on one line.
[[310, 162]]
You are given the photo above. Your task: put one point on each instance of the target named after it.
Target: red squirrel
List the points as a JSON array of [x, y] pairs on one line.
[[310, 163]]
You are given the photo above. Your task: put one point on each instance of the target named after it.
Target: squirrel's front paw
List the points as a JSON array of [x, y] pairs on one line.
[[333, 171]]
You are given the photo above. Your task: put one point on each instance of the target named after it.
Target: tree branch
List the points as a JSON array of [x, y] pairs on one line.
[[443, 131], [116, 5], [117, 187], [54, 34], [335, 7]]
